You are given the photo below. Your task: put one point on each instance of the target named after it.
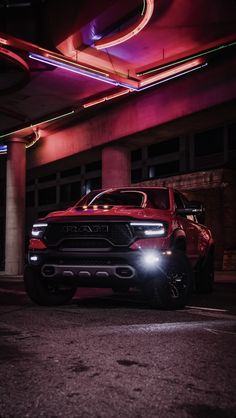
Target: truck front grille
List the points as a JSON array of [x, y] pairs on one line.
[[88, 234], [85, 244]]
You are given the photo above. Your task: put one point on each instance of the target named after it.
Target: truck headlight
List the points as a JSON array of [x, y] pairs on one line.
[[149, 229], [38, 230]]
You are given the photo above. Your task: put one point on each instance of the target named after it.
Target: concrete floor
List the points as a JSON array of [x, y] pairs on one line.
[[108, 355]]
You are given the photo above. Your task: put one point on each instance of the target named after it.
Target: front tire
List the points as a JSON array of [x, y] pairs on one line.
[[172, 285], [44, 293]]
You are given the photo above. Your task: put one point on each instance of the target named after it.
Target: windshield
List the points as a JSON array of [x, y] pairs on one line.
[[120, 198], [152, 198]]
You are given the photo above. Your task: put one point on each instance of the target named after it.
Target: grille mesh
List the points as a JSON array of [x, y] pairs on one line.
[[100, 234]]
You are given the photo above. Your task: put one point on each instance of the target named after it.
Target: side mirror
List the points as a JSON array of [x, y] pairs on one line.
[[193, 208]]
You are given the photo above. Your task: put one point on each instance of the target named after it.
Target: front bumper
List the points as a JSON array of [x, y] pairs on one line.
[[93, 269]]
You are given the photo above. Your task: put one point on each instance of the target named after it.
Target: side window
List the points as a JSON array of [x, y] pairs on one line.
[[179, 204]]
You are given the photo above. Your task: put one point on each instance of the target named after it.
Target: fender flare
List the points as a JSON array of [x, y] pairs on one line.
[[178, 240]]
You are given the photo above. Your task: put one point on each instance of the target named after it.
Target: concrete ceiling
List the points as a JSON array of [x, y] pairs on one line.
[[32, 92]]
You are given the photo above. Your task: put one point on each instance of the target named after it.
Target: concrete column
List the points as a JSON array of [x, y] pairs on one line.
[[116, 167], [15, 207]]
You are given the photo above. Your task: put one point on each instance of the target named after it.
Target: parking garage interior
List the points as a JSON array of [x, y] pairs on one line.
[[108, 93]]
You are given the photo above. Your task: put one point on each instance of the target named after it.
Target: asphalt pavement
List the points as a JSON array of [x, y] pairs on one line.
[[108, 355]]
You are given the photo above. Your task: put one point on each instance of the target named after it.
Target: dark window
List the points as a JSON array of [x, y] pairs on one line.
[[65, 193], [30, 182], [179, 203], [2, 243], [2, 193], [94, 166], [92, 184], [163, 148], [50, 177], [136, 175], [70, 192], [75, 192], [136, 155], [209, 142], [166, 169], [47, 196], [30, 199], [71, 172], [232, 137], [42, 214]]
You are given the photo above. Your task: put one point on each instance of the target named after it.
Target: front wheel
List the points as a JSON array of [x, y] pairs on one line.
[[44, 293], [172, 285]]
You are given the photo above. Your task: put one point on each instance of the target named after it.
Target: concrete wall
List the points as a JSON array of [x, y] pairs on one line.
[[216, 189]]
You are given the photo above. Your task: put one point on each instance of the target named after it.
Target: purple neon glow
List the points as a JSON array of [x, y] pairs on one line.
[[3, 149], [71, 68], [80, 71]]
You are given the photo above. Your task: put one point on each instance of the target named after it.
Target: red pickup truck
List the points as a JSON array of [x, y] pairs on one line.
[[143, 237]]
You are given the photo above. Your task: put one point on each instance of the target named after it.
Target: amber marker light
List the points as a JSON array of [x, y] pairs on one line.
[[120, 37], [36, 244]]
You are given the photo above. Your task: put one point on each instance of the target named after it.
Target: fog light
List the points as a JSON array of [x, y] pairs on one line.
[[151, 259], [34, 258]]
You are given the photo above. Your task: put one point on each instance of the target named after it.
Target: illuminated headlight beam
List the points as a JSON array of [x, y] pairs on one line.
[[38, 230], [149, 229]]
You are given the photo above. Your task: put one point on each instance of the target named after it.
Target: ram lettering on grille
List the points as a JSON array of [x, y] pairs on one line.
[[93, 229]]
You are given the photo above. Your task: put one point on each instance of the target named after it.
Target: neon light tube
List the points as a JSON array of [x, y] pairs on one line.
[[103, 99], [77, 70], [94, 102], [37, 124], [3, 41], [169, 73], [75, 64], [173, 77], [71, 68], [3, 149], [118, 38], [121, 93], [190, 57]]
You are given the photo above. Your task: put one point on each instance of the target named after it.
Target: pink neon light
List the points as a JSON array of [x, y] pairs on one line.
[[172, 72], [121, 93], [121, 37], [3, 41], [94, 102], [103, 99]]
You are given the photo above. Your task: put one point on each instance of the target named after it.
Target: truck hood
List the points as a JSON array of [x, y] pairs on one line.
[[114, 212]]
